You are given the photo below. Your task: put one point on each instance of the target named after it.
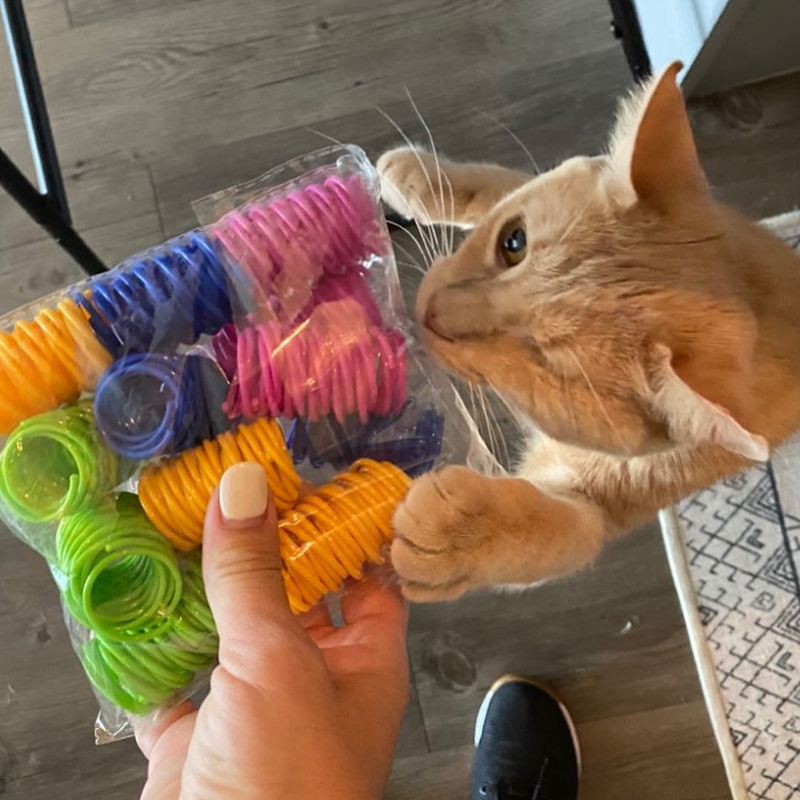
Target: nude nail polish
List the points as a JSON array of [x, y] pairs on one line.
[[243, 492]]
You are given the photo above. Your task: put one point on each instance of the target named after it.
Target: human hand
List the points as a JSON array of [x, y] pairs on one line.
[[297, 708]]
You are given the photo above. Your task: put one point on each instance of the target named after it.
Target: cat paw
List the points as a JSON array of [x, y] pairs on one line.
[[406, 178], [440, 529]]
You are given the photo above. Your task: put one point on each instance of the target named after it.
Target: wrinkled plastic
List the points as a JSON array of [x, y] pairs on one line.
[[275, 333]]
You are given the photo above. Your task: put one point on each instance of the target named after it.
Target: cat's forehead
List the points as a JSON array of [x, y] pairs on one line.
[[554, 198]]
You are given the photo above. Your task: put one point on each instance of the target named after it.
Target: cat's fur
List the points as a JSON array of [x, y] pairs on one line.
[[651, 334]]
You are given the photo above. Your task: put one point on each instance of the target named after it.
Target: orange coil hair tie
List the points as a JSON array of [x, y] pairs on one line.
[[46, 362], [333, 532], [175, 492]]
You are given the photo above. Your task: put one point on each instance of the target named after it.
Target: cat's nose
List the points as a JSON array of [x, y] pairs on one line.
[[431, 314], [432, 320]]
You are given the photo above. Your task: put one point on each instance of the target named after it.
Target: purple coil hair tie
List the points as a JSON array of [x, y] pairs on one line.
[[409, 439], [167, 296], [149, 404]]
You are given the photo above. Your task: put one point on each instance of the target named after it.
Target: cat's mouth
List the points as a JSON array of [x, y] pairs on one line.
[[430, 329], [446, 351]]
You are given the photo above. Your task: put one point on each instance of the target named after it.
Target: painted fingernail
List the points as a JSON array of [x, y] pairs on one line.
[[243, 493]]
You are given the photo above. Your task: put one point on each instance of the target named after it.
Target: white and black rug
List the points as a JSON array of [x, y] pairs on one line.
[[737, 576]]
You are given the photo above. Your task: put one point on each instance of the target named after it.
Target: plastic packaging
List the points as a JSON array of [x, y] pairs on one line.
[[275, 333]]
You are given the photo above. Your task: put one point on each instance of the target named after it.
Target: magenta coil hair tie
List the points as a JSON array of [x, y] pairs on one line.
[[335, 362], [288, 243], [339, 290]]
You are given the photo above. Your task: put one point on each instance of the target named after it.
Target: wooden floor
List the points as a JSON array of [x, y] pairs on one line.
[[157, 102]]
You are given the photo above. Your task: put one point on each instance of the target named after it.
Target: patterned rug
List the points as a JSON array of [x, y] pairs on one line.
[[737, 578]]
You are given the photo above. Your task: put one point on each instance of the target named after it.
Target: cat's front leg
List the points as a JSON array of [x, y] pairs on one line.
[[433, 190], [457, 530]]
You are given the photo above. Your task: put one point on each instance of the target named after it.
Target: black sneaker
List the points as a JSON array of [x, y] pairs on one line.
[[526, 747]]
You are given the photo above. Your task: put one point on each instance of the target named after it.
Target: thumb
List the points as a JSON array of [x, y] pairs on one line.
[[241, 561]]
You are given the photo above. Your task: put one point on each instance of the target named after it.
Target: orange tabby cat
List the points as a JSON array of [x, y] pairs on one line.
[[651, 334]]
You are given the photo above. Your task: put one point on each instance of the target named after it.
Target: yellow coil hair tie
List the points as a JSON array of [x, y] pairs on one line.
[[175, 492], [333, 532], [46, 362]]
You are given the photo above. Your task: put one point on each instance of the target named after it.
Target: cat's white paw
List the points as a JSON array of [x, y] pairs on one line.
[[406, 175]]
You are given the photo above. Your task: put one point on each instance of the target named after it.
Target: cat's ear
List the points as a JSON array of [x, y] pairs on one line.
[[691, 417], [656, 137]]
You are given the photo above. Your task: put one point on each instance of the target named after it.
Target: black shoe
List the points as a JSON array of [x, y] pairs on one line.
[[526, 748]]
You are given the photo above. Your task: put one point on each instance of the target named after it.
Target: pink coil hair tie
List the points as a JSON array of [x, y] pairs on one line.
[[287, 244], [335, 362]]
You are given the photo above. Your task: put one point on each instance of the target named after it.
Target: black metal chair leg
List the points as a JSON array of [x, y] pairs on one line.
[[48, 206]]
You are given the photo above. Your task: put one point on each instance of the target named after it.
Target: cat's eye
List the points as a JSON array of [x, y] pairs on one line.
[[512, 243]]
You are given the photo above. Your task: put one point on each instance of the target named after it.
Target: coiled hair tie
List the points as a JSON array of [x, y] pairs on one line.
[[175, 492], [330, 534], [120, 576], [139, 676], [335, 362], [167, 296], [54, 464], [151, 404], [289, 242], [407, 440], [46, 362]]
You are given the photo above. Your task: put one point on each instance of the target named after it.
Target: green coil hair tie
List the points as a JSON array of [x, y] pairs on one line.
[[120, 576], [55, 464], [139, 676]]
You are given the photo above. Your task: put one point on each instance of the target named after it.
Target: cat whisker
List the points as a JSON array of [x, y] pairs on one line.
[[438, 167], [325, 136], [597, 397], [419, 241], [414, 150], [425, 235], [534, 164], [571, 227], [569, 403], [451, 239], [408, 254], [492, 412], [412, 265]]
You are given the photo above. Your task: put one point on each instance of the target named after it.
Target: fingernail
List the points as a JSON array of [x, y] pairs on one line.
[[243, 493]]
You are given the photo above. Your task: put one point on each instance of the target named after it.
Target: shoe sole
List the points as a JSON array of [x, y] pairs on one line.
[[484, 709]]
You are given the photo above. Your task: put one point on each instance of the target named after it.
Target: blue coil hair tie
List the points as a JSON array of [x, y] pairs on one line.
[[149, 404], [413, 448], [167, 296]]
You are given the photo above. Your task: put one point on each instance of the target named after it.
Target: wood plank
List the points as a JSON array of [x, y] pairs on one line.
[[747, 140], [45, 17], [88, 12], [190, 70]]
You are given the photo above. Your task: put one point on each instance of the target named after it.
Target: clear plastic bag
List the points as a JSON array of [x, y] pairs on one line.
[[276, 333]]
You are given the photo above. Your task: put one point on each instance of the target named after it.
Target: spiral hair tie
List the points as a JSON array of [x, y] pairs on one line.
[[335, 362], [46, 362], [166, 296], [139, 676], [121, 578], [412, 447], [288, 242], [54, 464], [150, 404], [175, 492], [331, 533], [342, 290]]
